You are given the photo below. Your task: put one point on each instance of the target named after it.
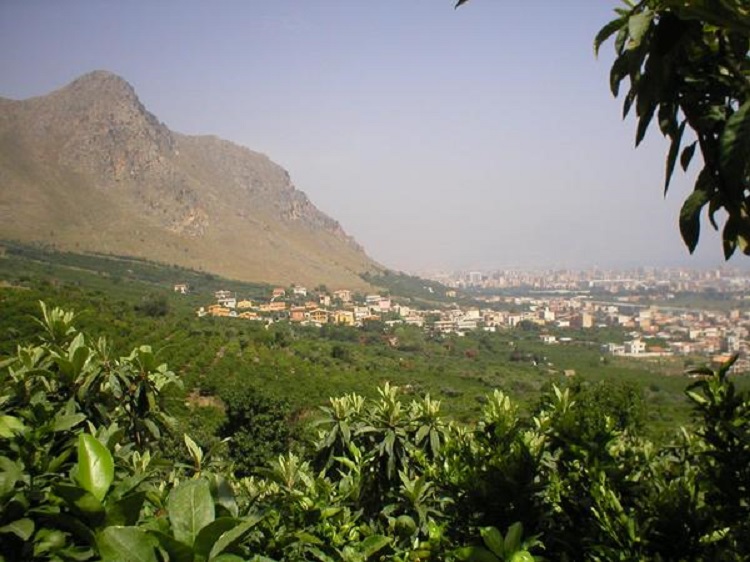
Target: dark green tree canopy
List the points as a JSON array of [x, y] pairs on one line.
[[687, 64]]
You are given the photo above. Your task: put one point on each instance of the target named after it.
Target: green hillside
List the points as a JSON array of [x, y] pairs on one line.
[[305, 365]]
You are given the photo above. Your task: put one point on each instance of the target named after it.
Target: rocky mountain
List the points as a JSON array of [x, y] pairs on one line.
[[87, 168]]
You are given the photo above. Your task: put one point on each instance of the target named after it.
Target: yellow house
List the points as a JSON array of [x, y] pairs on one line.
[[319, 315], [345, 317], [245, 304]]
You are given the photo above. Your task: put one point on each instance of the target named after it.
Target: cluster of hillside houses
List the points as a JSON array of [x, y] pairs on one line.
[[308, 307], [653, 331]]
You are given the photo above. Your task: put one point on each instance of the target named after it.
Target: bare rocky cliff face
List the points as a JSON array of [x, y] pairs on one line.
[[101, 173]]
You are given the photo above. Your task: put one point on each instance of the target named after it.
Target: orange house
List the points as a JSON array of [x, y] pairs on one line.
[[297, 314], [218, 310]]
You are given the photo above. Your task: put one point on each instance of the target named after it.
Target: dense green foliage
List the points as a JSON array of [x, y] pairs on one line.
[[307, 365], [257, 427], [82, 477], [688, 65]]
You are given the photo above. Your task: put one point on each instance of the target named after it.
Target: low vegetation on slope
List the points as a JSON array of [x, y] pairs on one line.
[[131, 302], [92, 469]]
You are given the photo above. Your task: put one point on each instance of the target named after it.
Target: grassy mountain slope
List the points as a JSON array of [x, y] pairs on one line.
[[88, 168]]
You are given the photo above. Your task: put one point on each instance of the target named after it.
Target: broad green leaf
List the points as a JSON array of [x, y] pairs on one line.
[[190, 509], [64, 423], [435, 441], [126, 544], [10, 426], [126, 485], [346, 433], [327, 512], [638, 25], [620, 38], [606, 32], [729, 237], [223, 495], [715, 536], [493, 540], [177, 551], [195, 451], [687, 155], [619, 71], [234, 558], [628, 102], [513, 538], [734, 148], [690, 217], [10, 473], [22, 528], [476, 554], [209, 534], [47, 541], [646, 115], [389, 441], [81, 501], [667, 117], [55, 464], [231, 537], [74, 525], [674, 149], [153, 429], [125, 511], [314, 553], [373, 544], [522, 556], [96, 469], [307, 538], [78, 353]]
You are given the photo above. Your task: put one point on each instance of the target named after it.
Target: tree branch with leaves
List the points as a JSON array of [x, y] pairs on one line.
[[687, 64]]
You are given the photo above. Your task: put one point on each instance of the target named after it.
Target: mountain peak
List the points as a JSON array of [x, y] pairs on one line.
[[98, 172], [96, 90], [102, 82], [97, 124]]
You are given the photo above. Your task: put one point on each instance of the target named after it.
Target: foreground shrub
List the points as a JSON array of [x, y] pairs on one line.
[[82, 478]]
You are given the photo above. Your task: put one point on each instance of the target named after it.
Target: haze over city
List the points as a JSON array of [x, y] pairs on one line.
[[476, 138]]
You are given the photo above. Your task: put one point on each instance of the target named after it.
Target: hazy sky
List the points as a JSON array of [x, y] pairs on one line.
[[474, 138]]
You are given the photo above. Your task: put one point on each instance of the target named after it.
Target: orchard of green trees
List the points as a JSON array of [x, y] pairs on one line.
[[92, 469]]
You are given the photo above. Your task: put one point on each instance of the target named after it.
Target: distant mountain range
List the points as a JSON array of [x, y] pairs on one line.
[[87, 168]]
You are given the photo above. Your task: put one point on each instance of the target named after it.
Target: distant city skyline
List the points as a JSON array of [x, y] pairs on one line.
[[478, 138]]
